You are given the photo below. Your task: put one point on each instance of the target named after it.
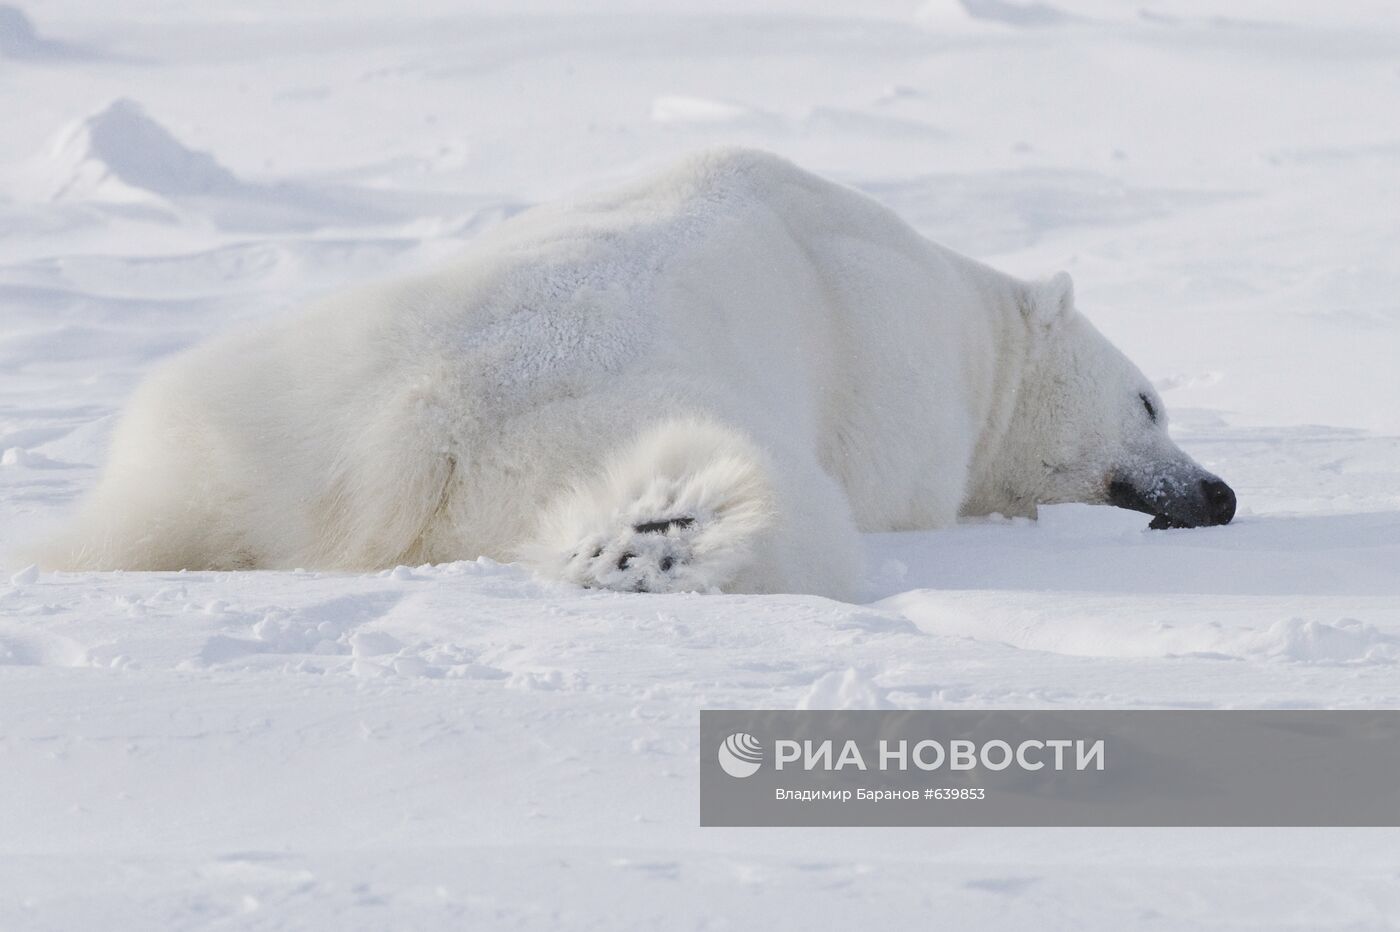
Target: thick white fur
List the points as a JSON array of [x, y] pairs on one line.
[[764, 359]]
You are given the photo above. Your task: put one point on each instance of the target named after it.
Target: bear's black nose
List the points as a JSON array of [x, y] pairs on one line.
[[1220, 500]]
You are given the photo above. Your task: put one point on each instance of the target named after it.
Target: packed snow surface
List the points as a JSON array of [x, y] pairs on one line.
[[465, 746]]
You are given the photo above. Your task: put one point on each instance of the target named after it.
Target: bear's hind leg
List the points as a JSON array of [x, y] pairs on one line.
[[693, 505], [681, 508]]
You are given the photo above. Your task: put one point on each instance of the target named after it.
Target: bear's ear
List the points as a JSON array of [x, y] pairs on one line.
[[1046, 302]]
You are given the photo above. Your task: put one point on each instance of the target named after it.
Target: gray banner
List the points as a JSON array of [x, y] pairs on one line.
[[1065, 768]]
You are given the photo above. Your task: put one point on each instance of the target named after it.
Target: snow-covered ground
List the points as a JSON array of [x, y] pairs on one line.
[[463, 746]]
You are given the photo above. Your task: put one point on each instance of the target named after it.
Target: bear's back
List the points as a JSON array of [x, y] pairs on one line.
[[577, 290]]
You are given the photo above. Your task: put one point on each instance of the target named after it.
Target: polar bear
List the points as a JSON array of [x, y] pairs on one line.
[[713, 379]]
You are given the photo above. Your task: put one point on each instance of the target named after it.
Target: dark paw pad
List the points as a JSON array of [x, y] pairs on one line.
[[661, 527]]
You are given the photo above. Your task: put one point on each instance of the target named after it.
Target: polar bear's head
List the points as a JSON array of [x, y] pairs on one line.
[[1088, 426]]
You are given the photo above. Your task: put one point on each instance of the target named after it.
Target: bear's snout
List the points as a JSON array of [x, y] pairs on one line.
[[1209, 502], [1220, 500]]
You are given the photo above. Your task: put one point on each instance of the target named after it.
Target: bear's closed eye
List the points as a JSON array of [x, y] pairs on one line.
[[1147, 403]]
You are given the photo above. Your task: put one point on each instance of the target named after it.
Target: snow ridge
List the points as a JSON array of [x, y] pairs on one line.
[[20, 40], [120, 153]]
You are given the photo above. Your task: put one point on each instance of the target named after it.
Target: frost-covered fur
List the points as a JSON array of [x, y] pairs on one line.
[[712, 379]]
